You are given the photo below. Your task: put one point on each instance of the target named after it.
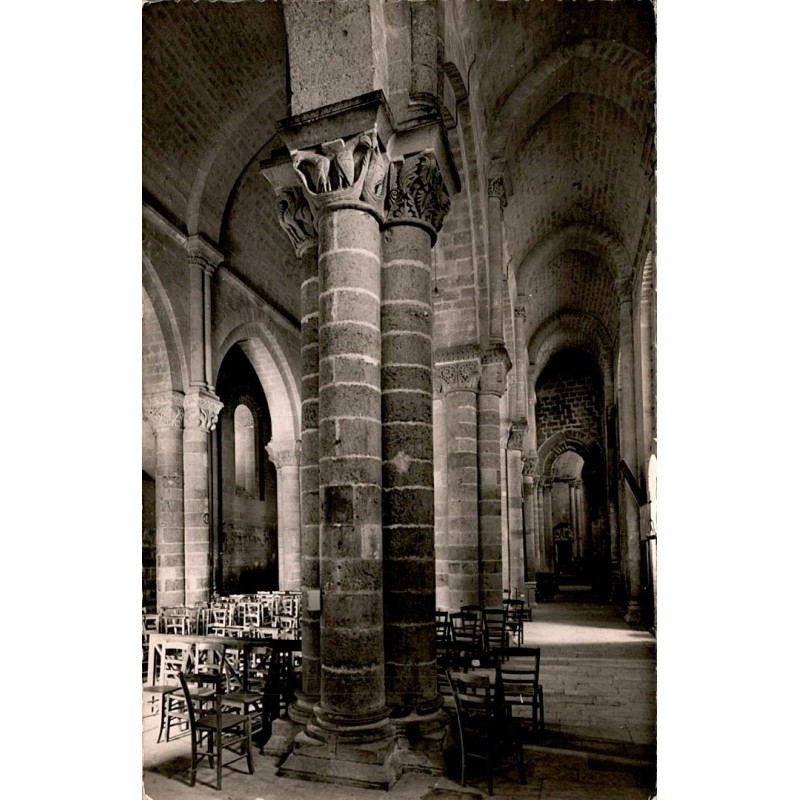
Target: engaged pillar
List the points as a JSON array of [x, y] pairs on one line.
[[418, 203], [286, 458], [165, 415]]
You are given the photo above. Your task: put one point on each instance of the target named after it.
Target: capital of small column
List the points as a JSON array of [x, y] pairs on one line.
[[202, 410], [495, 365], [457, 369], [351, 173], [520, 312], [418, 193], [284, 454], [516, 436], [202, 254], [296, 219], [530, 465], [164, 410], [497, 190]]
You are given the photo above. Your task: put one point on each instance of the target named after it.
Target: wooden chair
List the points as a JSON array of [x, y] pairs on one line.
[[221, 731], [515, 616], [519, 672], [495, 627], [246, 694], [171, 659], [205, 676], [467, 638], [483, 731]]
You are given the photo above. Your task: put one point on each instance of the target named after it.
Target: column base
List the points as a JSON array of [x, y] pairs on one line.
[[633, 614], [421, 741], [282, 737], [372, 765]]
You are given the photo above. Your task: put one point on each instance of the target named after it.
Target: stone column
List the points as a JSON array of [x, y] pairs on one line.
[[201, 413], [350, 736], [297, 222], [530, 484], [457, 378], [440, 500], [494, 368], [286, 458], [165, 415], [418, 203], [202, 407], [517, 547], [547, 506], [497, 202], [628, 449]]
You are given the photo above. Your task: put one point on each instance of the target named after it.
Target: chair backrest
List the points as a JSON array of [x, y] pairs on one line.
[[473, 698], [518, 671], [172, 658], [442, 625], [495, 627], [464, 626]]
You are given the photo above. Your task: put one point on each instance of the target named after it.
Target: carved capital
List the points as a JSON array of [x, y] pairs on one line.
[[296, 219], [163, 411], [497, 189], [495, 365], [418, 193], [520, 312], [516, 436], [284, 454], [343, 173], [201, 254], [202, 411], [530, 465], [457, 376]]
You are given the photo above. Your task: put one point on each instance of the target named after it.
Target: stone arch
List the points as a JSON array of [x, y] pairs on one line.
[[572, 329], [578, 236], [630, 85], [239, 137], [586, 446], [154, 289], [270, 364]]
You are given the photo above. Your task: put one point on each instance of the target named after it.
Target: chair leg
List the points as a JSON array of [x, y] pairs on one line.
[[218, 748], [193, 768], [248, 744], [161, 724], [541, 709]]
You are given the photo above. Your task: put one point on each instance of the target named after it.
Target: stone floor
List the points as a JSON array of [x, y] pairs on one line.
[[599, 697]]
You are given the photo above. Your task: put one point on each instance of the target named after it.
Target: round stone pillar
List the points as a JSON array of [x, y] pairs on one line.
[[201, 412], [494, 368], [165, 415], [352, 708], [285, 456], [418, 204], [457, 379], [517, 553]]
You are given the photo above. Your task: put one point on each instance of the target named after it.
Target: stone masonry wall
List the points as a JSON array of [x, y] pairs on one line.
[[567, 398]]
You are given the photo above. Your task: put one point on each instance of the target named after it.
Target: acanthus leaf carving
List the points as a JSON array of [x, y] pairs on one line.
[[202, 411], [418, 191], [295, 217]]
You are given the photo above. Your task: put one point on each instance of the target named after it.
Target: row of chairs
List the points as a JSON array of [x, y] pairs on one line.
[[475, 633], [235, 615]]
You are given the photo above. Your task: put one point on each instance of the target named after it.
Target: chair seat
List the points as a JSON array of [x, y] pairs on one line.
[[160, 689], [241, 697], [226, 721]]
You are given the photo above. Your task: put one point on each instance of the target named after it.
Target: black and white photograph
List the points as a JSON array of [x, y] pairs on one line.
[[401, 383], [399, 284]]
